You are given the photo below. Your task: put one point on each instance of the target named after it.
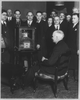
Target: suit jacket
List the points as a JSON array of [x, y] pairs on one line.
[[64, 28], [40, 37], [16, 33], [40, 31], [49, 65], [73, 38], [8, 35], [27, 25], [11, 23], [49, 41]]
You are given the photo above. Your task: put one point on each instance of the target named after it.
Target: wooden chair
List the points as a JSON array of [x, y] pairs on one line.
[[63, 61]]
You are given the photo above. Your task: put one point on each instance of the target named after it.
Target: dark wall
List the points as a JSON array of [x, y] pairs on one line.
[[51, 5], [24, 6]]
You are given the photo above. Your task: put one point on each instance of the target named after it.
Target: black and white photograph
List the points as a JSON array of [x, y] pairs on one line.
[[39, 49]]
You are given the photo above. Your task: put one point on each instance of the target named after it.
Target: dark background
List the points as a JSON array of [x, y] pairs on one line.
[[51, 5], [24, 7], [34, 6]]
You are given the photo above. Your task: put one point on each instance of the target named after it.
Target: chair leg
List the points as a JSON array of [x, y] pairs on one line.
[[65, 82], [22, 78], [54, 88], [34, 84]]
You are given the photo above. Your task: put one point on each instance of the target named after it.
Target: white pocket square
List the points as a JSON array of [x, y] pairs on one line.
[[75, 29]]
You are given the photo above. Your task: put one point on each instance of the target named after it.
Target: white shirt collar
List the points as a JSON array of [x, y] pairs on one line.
[[57, 26], [10, 18], [30, 21], [61, 21], [75, 24], [3, 22], [50, 25], [38, 21]]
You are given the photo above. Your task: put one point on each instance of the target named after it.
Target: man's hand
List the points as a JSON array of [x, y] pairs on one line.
[[38, 46], [43, 58]]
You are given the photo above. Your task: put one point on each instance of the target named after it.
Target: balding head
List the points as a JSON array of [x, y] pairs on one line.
[[57, 36]]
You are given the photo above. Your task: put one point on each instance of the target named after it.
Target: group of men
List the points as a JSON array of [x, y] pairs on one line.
[[45, 34]]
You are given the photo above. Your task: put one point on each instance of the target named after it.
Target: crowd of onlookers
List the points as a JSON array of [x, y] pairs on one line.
[[53, 36], [44, 25]]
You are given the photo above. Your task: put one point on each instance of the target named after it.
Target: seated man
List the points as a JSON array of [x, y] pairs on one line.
[[47, 66]]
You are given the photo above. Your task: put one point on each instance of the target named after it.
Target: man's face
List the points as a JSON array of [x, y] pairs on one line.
[[68, 17], [30, 16], [75, 10], [74, 19], [50, 20], [44, 15], [54, 38], [62, 16], [53, 14], [56, 20], [17, 15], [39, 16], [4, 16], [9, 12]]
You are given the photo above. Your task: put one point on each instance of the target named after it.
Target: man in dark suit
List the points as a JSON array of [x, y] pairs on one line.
[[44, 16], [10, 16], [48, 65], [3, 24], [56, 23], [41, 27], [17, 23], [10, 20], [73, 38], [63, 25], [7, 35], [73, 41], [17, 15], [60, 24], [30, 22], [48, 35]]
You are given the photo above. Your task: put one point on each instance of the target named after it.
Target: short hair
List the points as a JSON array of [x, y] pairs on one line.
[[56, 16], [29, 12], [50, 17], [59, 33], [44, 12], [75, 10], [75, 14], [3, 10], [38, 12], [9, 9], [16, 11]]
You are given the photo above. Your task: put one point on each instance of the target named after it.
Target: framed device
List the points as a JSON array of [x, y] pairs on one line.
[[26, 38]]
